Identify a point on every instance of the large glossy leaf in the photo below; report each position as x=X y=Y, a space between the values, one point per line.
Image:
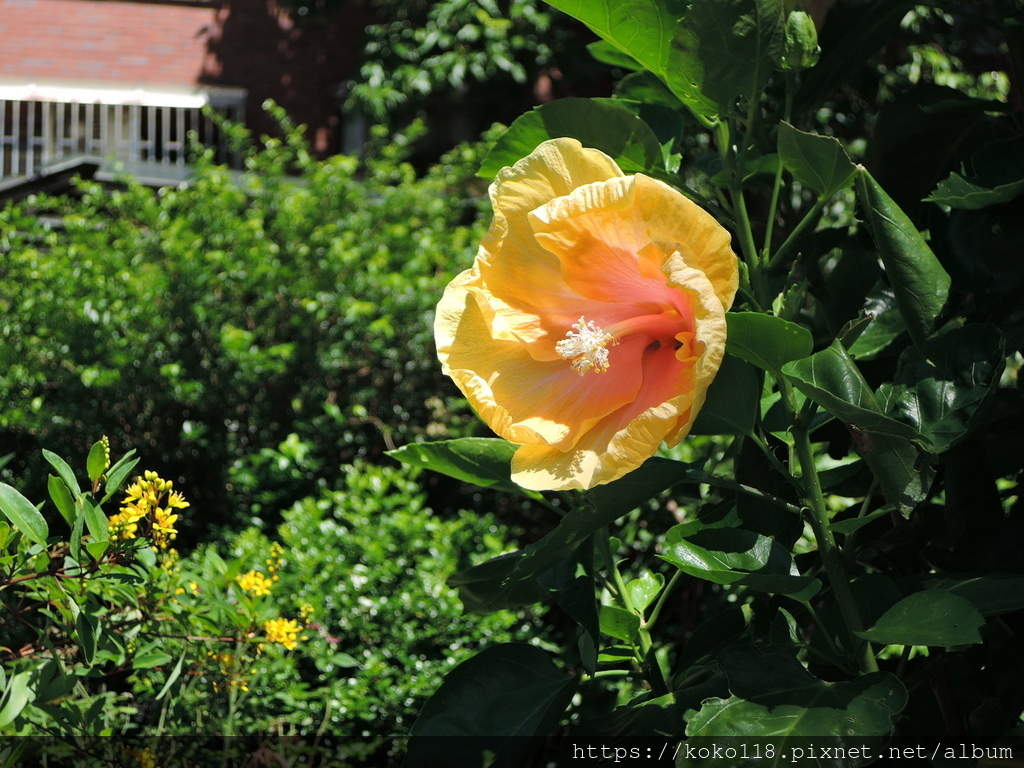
x=933 y=617
x=478 y=460
x=817 y=162
x=646 y=30
x=726 y=49
x=734 y=555
x=483 y=588
x=774 y=697
x=732 y=401
x=767 y=341
x=603 y=125
x=918 y=280
x=832 y=380
x=941 y=386
x=502 y=701
x=21 y=513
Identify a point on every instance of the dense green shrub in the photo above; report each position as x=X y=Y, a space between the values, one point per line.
x=323 y=640
x=208 y=323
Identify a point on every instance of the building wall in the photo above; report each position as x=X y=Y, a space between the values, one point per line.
x=179 y=45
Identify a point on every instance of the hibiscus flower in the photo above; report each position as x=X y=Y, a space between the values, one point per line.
x=593 y=319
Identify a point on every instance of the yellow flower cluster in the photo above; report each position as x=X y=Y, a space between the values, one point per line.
x=229 y=668
x=283 y=631
x=151 y=499
x=275 y=560
x=256 y=583
x=143 y=758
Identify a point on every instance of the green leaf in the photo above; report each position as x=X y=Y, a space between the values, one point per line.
x=734 y=555
x=19 y=692
x=173 y=677
x=724 y=50
x=62 y=498
x=711 y=636
x=831 y=379
x=850 y=525
x=602 y=125
x=995 y=176
x=932 y=617
x=732 y=401
x=23 y=514
x=88 y=631
x=942 y=385
x=486 y=587
x=478 y=460
x=619 y=623
x=503 y=701
x=603 y=505
x=885 y=324
x=767 y=341
x=919 y=282
x=817 y=162
x=645 y=31
x=95 y=520
x=775 y=697
x=64 y=470
x=904 y=473
x=609 y=54
x=117 y=474
x=150 y=660
x=97 y=549
x=990 y=595
x=97 y=462
x=645 y=589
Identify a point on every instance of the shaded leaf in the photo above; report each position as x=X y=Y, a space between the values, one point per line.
x=832 y=380
x=732 y=401
x=773 y=696
x=990 y=595
x=465 y=718
x=993 y=175
x=619 y=623
x=483 y=588
x=603 y=505
x=942 y=385
x=918 y=280
x=932 y=617
x=817 y=162
x=603 y=125
x=724 y=50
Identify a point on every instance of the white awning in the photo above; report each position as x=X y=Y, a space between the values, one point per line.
x=79 y=93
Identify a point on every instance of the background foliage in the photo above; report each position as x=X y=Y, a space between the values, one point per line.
x=263 y=338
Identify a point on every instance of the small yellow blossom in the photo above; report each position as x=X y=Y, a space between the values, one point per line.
x=230 y=669
x=255 y=582
x=275 y=560
x=283 y=631
x=124 y=525
x=306 y=612
x=143 y=758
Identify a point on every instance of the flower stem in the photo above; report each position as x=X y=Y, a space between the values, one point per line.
x=830 y=554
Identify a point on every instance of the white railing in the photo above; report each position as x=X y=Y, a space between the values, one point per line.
x=35 y=133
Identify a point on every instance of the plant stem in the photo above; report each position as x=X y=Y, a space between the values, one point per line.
x=809 y=218
x=830 y=554
x=773 y=206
